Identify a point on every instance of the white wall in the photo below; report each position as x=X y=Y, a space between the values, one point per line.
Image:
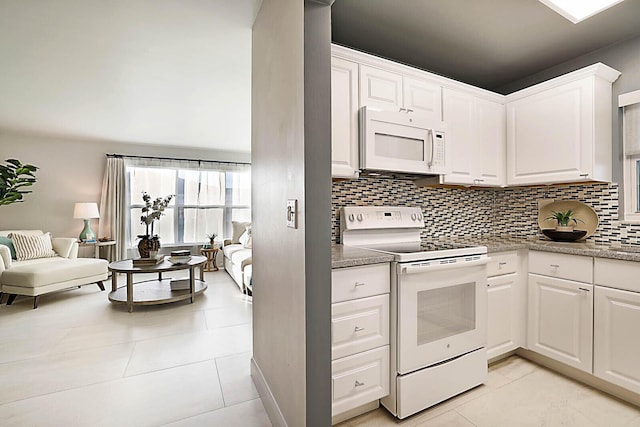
x=71 y=171
x=277 y=175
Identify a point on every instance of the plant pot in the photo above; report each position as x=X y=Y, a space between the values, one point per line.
x=148 y=246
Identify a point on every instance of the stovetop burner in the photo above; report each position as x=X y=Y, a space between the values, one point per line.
x=427 y=249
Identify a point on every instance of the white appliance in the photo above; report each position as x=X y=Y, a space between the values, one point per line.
x=438 y=307
x=401 y=141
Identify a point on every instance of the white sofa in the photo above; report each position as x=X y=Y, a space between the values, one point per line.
x=237 y=257
x=35 y=277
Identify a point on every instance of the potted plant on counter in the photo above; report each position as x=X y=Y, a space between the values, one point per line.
x=565 y=220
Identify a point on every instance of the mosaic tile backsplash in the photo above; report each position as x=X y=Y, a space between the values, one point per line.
x=457 y=212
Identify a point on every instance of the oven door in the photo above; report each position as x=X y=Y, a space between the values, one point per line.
x=442 y=311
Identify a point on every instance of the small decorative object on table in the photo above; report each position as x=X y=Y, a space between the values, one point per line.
x=212 y=238
x=146 y=262
x=179 y=257
x=150 y=243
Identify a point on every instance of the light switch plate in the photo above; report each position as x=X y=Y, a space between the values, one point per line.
x=292 y=213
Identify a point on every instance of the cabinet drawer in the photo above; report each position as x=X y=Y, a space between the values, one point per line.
x=359 y=282
x=359 y=325
x=502 y=263
x=562 y=266
x=617 y=274
x=359 y=379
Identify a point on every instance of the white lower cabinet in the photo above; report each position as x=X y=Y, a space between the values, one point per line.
x=616 y=320
x=506 y=298
x=560 y=324
x=359 y=336
x=359 y=379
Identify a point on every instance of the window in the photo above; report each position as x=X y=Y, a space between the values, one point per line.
x=207 y=197
x=630 y=104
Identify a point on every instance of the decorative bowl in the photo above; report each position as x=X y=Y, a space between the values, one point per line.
x=564 y=236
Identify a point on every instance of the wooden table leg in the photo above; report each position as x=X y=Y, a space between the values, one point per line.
x=114 y=281
x=130 y=291
x=215 y=260
x=201 y=273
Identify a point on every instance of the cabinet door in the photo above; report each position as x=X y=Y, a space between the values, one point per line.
x=616 y=338
x=490 y=118
x=561 y=320
x=550 y=135
x=423 y=97
x=503 y=310
x=379 y=88
x=344 y=118
x=458 y=114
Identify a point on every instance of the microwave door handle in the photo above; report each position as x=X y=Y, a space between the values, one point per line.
x=432 y=147
x=417 y=268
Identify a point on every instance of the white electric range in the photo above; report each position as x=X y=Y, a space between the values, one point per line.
x=438 y=306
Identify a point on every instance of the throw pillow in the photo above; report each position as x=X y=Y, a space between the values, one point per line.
x=238 y=230
x=246 y=239
x=32 y=246
x=8 y=243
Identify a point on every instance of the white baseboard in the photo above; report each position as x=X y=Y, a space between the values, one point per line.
x=269 y=402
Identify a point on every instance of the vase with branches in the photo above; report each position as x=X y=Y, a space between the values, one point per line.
x=152 y=210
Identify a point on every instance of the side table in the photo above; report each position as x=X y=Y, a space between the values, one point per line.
x=211 y=254
x=109 y=244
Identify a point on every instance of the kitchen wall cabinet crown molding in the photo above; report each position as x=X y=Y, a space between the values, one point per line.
x=412 y=72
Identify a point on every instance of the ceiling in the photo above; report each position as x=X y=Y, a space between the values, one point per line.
x=485 y=43
x=143 y=71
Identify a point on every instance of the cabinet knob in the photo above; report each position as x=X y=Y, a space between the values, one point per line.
x=501 y=263
x=555 y=266
x=358 y=384
x=358 y=329
x=357 y=284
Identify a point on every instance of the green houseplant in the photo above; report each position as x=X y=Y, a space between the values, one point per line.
x=152 y=210
x=565 y=220
x=14 y=178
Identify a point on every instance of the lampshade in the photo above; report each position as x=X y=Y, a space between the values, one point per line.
x=86 y=211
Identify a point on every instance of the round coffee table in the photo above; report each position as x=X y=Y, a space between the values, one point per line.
x=156 y=291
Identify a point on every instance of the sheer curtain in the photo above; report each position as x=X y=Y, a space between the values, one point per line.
x=208 y=195
x=113 y=205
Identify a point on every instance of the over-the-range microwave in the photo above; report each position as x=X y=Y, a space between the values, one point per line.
x=401 y=141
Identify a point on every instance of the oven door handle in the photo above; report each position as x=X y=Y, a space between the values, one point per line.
x=422 y=268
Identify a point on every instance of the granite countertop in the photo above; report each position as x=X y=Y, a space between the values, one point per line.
x=349 y=256
x=346 y=256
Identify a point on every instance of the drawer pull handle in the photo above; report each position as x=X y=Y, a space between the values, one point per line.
x=584 y=289
x=358 y=384
x=502 y=263
x=358 y=329
x=360 y=284
x=555 y=266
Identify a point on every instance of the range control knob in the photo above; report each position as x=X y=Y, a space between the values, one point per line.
x=419 y=217
x=351 y=218
x=360 y=217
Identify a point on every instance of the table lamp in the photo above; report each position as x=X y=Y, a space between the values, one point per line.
x=86 y=211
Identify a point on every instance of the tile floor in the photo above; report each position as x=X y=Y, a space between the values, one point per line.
x=80 y=361
x=518 y=393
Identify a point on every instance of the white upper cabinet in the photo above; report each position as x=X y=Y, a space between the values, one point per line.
x=380 y=88
x=560 y=130
x=423 y=97
x=344 y=118
x=386 y=90
x=475 y=136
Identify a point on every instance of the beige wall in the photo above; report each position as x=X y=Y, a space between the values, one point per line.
x=277 y=150
x=71 y=171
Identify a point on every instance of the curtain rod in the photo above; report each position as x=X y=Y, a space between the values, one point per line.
x=174 y=158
